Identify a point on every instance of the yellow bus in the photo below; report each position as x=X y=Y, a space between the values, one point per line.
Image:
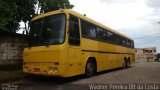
x=65 y=43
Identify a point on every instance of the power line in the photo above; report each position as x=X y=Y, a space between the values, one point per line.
x=154 y=42
x=147 y=36
x=147 y=39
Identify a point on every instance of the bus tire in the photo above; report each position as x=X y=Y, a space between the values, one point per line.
x=90 y=68
x=128 y=62
x=125 y=63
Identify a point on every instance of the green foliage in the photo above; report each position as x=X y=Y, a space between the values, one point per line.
x=14 y=11
x=7 y=16
x=50 y=5
x=25 y=10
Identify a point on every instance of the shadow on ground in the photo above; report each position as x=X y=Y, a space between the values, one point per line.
x=61 y=80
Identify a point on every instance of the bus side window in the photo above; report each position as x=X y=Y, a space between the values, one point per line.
x=110 y=37
x=74 y=35
x=117 y=39
x=88 y=29
x=123 y=42
x=100 y=33
x=132 y=44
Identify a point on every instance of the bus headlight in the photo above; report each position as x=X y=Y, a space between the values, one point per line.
x=25 y=67
x=53 y=69
x=50 y=69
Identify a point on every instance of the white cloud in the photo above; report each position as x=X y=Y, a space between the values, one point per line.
x=153 y=3
x=118 y=15
x=135 y=18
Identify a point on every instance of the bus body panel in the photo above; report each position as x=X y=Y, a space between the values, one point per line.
x=45 y=58
x=108 y=56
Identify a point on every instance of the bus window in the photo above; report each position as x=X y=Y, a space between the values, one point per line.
x=123 y=42
x=74 y=37
x=101 y=34
x=117 y=39
x=88 y=29
x=92 y=32
x=110 y=36
x=132 y=44
x=49 y=30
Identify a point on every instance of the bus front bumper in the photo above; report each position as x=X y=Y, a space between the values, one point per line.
x=46 y=70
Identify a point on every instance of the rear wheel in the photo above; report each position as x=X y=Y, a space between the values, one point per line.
x=126 y=63
x=90 y=69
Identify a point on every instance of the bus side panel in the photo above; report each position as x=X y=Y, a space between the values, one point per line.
x=89 y=48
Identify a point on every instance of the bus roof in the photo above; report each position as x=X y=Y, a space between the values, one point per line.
x=80 y=16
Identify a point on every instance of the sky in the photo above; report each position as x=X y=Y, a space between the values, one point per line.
x=138 y=19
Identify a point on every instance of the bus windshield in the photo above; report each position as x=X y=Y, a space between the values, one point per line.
x=49 y=30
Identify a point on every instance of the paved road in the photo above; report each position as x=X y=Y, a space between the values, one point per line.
x=139 y=73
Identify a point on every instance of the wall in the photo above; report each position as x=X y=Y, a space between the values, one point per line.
x=11 y=49
x=145 y=54
x=139 y=55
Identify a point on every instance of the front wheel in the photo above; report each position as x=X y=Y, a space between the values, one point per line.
x=90 y=69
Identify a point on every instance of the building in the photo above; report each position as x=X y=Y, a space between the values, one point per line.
x=145 y=54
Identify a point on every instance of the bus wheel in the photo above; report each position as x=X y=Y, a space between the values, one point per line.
x=125 y=64
x=128 y=63
x=90 y=69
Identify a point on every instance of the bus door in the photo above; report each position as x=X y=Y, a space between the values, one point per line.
x=74 y=49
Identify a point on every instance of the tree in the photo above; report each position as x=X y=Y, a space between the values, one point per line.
x=25 y=11
x=7 y=16
x=15 y=11
x=50 y=5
